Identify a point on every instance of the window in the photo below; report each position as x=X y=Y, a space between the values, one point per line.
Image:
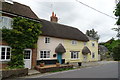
x=27 y=54
x=74 y=55
x=93 y=44
x=45 y=54
x=74 y=42
x=5 y=53
x=47 y=40
x=6 y=22
x=85 y=43
x=93 y=55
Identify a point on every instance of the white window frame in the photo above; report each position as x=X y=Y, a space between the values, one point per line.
x=44 y=53
x=9 y=22
x=5 y=53
x=30 y=53
x=74 y=42
x=92 y=55
x=47 y=40
x=74 y=53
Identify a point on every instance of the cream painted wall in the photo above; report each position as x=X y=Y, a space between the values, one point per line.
x=54 y=42
x=41 y=45
x=93 y=49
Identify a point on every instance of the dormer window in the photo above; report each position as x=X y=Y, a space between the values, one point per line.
x=6 y=22
x=74 y=42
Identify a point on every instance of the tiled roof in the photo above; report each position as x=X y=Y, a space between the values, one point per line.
x=18 y=9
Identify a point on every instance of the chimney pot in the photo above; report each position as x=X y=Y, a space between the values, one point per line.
x=53 y=18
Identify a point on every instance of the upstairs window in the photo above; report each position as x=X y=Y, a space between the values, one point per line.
x=74 y=42
x=6 y=22
x=5 y=53
x=47 y=40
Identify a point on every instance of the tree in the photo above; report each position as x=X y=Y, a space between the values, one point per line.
x=92 y=33
x=118 y=31
x=117 y=14
x=116 y=53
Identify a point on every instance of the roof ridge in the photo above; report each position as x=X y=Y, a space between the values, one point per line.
x=60 y=24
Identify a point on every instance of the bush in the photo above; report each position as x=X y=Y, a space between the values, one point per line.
x=116 y=53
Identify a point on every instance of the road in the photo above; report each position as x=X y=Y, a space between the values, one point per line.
x=109 y=70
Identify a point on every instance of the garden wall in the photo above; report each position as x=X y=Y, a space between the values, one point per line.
x=50 y=69
x=14 y=73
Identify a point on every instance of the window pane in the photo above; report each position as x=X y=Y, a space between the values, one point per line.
x=41 y=51
x=3 y=53
x=71 y=54
x=8 y=49
x=41 y=55
x=8 y=53
x=44 y=52
x=77 y=54
x=44 y=55
x=7 y=57
x=2 y=57
x=27 y=54
x=6 y=22
x=3 y=49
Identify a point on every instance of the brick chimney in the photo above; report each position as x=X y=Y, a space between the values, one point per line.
x=53 y=18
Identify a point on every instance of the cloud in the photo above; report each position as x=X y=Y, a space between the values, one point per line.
x=77 y=15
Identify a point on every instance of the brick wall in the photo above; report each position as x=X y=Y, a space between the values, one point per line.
x=3 y=43
x=34 y=57
x=3 y=65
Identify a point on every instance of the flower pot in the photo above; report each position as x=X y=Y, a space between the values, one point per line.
x=42 y=64
x=58 y=64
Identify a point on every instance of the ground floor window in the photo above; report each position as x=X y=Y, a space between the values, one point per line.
x=45 y=54
x=74 y=54
x=5 y=53
x=93 y=55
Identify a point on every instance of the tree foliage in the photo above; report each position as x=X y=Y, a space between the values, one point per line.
x=118 y=31
x=117 y=14
x=92 y=33
x=116 y=52
x=24 y=34
x=114 y=47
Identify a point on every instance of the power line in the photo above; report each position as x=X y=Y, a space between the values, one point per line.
x=95 y=9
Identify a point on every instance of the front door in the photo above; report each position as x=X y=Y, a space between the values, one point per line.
x=85 y=58
x=59 y=57
x=27 y=58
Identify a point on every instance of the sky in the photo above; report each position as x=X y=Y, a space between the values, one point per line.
x=75 y=14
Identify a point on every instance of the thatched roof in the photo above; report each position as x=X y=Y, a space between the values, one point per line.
x=60 y=49
x=18 y=9
x=102 y=49
x=62 y=31
x=85 y=50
